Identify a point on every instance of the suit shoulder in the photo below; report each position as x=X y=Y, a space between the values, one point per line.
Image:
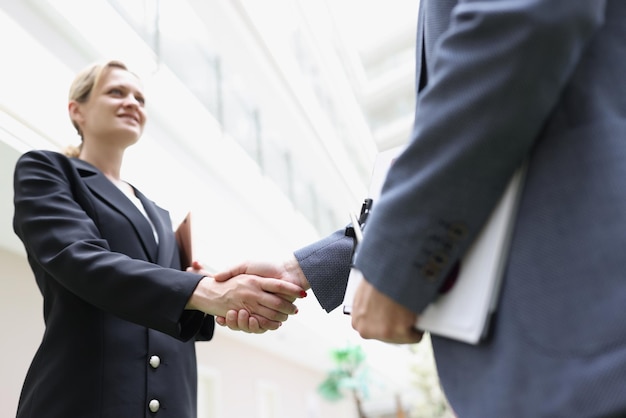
x=43 y=155
x=39 y=161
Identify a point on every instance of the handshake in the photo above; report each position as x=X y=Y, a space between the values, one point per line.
x=258 y=296
x=253 y=296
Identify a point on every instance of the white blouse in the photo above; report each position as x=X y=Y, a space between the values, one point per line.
x=126 y=189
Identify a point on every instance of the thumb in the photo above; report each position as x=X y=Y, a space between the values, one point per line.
x=230 y=273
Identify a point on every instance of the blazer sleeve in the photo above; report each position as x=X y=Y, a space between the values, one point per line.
x=326 y=265
x=63 y=244
x=494 y=77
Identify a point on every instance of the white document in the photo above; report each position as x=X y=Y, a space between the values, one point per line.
x=463 y=313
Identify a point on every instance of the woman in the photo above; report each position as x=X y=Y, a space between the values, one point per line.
x=121 y=317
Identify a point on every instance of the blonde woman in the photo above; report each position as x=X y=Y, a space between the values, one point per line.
x=121 y=317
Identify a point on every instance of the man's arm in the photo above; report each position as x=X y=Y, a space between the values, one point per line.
x=495 y=75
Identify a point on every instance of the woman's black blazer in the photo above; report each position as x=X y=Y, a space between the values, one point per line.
x=118 y=341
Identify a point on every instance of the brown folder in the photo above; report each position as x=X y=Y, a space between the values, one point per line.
x=183 y=238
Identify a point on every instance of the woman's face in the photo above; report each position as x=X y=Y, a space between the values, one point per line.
x=115 y=109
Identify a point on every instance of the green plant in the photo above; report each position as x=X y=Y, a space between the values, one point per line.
x=349 y=374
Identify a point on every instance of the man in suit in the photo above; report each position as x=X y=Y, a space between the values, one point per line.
x=501 y=82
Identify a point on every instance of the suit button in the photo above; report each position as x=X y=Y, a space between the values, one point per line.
x=430 y=271
x=439 y=258
x=154 y=405
x=457 y=231
x=155 y=361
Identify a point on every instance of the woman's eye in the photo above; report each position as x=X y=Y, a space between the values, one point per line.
x=115 y=92
x=140 y=100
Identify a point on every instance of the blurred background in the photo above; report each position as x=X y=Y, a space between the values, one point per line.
x=265 y=118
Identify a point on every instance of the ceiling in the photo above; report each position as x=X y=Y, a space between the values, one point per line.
x=373 y=42
x=382 y=38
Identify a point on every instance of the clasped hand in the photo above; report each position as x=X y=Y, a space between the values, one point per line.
x=263 y=302
x=374 y=315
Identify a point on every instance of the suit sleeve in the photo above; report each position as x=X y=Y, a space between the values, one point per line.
x=494 y=77
x=64 y=243
x=326 y=265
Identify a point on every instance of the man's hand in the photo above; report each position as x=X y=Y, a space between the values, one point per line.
x=197 y=267
x=376 y=316
x=288 y=271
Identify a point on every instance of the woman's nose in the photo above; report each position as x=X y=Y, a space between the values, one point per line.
x=131 y=101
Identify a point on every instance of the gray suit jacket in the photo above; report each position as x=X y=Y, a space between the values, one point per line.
x=501 y=81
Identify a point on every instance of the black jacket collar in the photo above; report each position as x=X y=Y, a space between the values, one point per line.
x=115 y=198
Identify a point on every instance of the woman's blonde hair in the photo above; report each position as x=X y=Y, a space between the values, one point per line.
x=81 y=88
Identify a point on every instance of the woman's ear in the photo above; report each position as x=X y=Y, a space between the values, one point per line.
x=75 y=112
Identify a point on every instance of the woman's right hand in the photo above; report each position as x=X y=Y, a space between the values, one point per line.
x=269 y=301
x=288 y=270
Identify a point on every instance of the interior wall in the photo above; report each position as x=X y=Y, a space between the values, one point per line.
x=257 y=383
x=21 y=322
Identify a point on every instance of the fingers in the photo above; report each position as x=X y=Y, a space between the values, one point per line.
x=377 y=316
x=274 y=310
x=242 y=321
x=230 y=273
x=401 y=334
x=269 y=298
x=275 y=302
x=257 y=268
x=197 y=267
x=245 y=322
x=265 y=324
x=283 y=288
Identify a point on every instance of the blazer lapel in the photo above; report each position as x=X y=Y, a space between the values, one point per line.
x=420 y=68
x=115 y=198
x=166 y=237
